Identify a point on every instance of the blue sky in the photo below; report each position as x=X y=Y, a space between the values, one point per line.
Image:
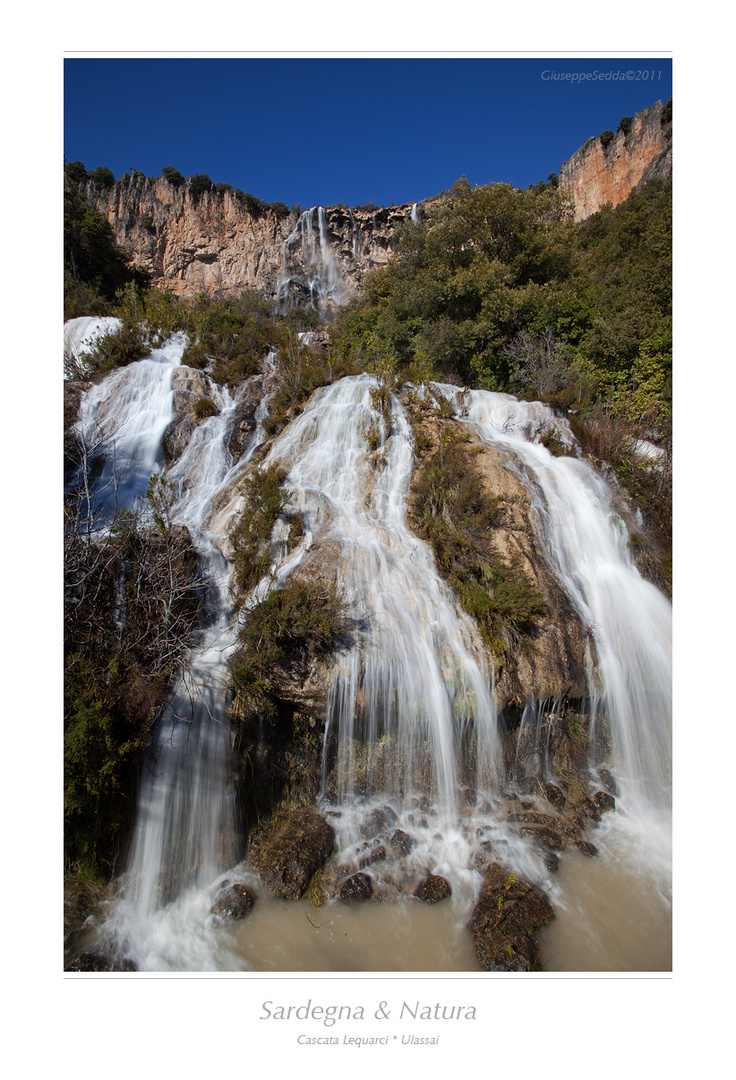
x=302 y=130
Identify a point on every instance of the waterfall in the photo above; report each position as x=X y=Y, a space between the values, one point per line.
x=586 y=543
x=184 y=834
x=323 y=280
x=630 y=688
x=415 y=675
x=412 y=730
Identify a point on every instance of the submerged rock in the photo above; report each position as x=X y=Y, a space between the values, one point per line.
x=287 y=860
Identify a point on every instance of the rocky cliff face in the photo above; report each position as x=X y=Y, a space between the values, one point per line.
x=596 y=174
x=214 y=244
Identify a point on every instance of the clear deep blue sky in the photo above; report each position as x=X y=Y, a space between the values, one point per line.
x=345 y=130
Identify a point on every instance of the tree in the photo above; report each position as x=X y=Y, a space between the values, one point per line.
x=200 y=185
x=131 y=603
x=103 y=177
x=173 y=176
x=538 y=361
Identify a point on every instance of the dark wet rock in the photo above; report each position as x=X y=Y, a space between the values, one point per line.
x=99 y=962
x=607 y=779
x=604 y=801
x=551 y=862
x=377 y=854
x=590 y=809
x=357 y=887
x=401 y=842
x=287 y=860
x=543 y=834
x=233 y=902
x=571 y=829
x=554 y=795
x=586 y=847
x=176 y=438
x=533 y=817
x=432 y=889
x=507 y=915
x=379 y=820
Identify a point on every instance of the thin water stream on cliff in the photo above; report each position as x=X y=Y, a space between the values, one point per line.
x=414 y=680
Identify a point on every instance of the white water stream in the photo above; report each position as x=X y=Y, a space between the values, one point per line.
x=310 y=237
x=412 y=684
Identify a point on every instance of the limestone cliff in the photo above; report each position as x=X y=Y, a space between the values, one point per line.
x=212 y=242
x=596 y=174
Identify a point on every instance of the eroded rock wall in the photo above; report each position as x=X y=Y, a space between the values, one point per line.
x=596 y=175
x=214 y=244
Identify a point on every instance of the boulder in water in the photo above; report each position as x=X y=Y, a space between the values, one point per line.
x=287 y=860
x=232 y=902
x=376 y=854
x=554 y=795
x=401 y=842
x=377 y=821
x=604 y=801
x=432 y=889
x=507 y=915
x=99 y=962
x=357 y=887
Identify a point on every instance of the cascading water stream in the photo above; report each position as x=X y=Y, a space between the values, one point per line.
x=415 y=675
x=310 y=237
x=628 y=618
x=412 y=733
x=185 y=828
x=630 y=687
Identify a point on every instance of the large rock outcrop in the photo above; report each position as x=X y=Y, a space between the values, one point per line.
x=213 y=243
x=599 y=174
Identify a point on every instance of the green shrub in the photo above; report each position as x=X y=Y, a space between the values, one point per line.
x=236 y=333
x=250 y=535
x=119 y=348
x=625 y=124
x=195 y=356
x=204 y=408
x=450 y=509
x=91 y=256
x=256 y=207
x=302 y=371
x=297 y=621
x=606 y=138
